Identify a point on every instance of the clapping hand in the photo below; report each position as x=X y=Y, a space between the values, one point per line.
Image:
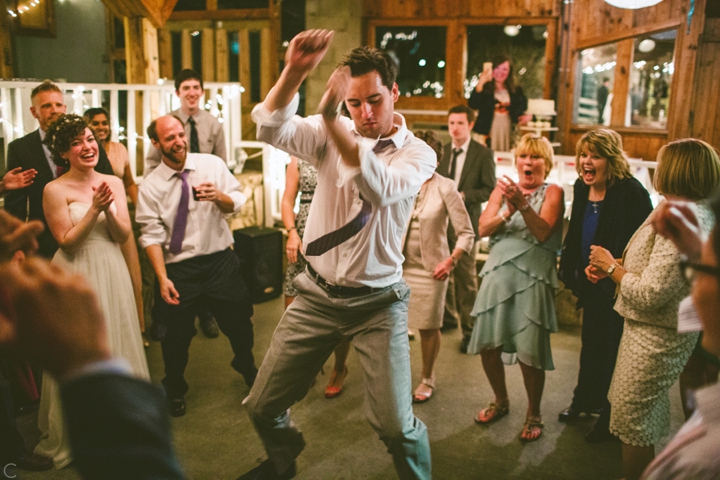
x=512 y=194
x=17 y=235
x=17 y=178
x=102 y=197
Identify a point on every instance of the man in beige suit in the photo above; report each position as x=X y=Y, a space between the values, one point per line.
x=472 y=167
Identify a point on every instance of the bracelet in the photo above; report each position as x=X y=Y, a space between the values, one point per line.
x=504 y=218
x=524 y=207
x=454 y=261
x=291 y=229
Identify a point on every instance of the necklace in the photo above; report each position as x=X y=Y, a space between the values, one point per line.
x=595 y=205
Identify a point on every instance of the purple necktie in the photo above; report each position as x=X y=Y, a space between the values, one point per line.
x=178 y=232
x=349 y=230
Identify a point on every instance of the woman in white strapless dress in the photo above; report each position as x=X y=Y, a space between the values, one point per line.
x=89 y=227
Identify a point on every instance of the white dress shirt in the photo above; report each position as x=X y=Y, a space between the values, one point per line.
x=460 y=161
x=207 y=230
x=389 y=180
x=211 y=137
x=693 y=451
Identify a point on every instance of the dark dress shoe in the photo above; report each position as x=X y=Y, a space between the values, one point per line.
x=600 y=434
x=177 y=407
x=33 y=462
x=464 y=344
x=266 y=471
x=571 y=414
x=209 y=327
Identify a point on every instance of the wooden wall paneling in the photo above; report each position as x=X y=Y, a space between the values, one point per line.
x=684 y=98
x=165 y=53
x=222 y=66
x=703 y=119
x=244 y=65
x=7 y=69
x=134 y=50
x=186 y=49
x=150 y=40
x=266 y=65
x=208 y=54
x=622 y=82
x=230 y=14
x=455 y=46
x=551 y=64
x=414 y=9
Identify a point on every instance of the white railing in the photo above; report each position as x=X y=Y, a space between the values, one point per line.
x=223 y=102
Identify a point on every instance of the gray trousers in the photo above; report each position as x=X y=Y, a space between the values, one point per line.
x=462 y=292
x=306 y=336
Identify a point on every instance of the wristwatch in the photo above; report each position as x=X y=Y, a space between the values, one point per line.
x=612 y=268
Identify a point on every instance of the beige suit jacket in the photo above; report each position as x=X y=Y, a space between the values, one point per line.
x=441 y=202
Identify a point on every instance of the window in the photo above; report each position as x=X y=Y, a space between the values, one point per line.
x=523 y=44
x=596 y=74
x=419 y=55
x=651 y=75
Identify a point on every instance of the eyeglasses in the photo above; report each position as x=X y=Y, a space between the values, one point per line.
x=690 y=269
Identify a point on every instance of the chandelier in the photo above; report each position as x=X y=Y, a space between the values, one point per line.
x=632 y=4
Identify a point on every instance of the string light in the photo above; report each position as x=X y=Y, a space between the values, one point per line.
x=23 y=9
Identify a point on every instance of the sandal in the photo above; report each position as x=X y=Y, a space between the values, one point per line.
x=335 y=385
x=532 y=424
x=422 y=397
x=492 y=412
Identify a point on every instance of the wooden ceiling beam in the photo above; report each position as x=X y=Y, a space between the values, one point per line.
x=157 y=11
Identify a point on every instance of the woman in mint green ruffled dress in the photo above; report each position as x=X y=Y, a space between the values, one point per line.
x=514 y=309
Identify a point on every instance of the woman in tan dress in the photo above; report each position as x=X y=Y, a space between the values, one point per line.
x=99 y=122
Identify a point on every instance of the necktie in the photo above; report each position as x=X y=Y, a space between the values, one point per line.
x=178 y=232
x=194 y=142
x=349 y=230
x=453 y=164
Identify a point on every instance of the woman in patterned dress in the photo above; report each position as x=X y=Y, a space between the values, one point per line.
x=301 y=178
x=650 y=283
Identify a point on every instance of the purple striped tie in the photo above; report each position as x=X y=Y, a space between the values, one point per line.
x=349 y=230
x=178 y=232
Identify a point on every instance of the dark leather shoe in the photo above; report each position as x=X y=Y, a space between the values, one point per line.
x=209 y=327
x=571 y=414
x=176 y=407
x=464 y=344
x=600 y=435
x=33 y=462
x=266 y=471
x=448 y=326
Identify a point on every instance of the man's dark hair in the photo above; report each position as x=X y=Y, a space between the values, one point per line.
x=185 y=75
x=463 y=109
x=364 y=60
x=46 y=86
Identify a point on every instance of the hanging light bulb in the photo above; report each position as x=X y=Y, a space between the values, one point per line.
x=512 y=30
x=632 y=4
x=647 y=45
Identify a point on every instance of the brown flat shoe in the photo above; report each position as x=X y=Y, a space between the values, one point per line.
x=492 y=412
x=533 y=426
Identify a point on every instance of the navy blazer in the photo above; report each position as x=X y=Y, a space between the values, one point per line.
x=27 y=152
x=477 y=179
x=119 y=428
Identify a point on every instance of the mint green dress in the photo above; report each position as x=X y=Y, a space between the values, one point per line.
x=515 y=306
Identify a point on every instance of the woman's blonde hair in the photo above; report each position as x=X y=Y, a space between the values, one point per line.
x=607 y=144
x=532 y=144
x=687 y=168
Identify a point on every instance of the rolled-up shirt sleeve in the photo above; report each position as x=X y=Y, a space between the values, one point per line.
x=304 y=138
x=152 y=228
x=229 y=185
x=385 y=183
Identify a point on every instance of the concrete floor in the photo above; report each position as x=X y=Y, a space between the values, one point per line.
x=215 y=439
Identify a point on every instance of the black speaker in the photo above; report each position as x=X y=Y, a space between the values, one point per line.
x=260 y=252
